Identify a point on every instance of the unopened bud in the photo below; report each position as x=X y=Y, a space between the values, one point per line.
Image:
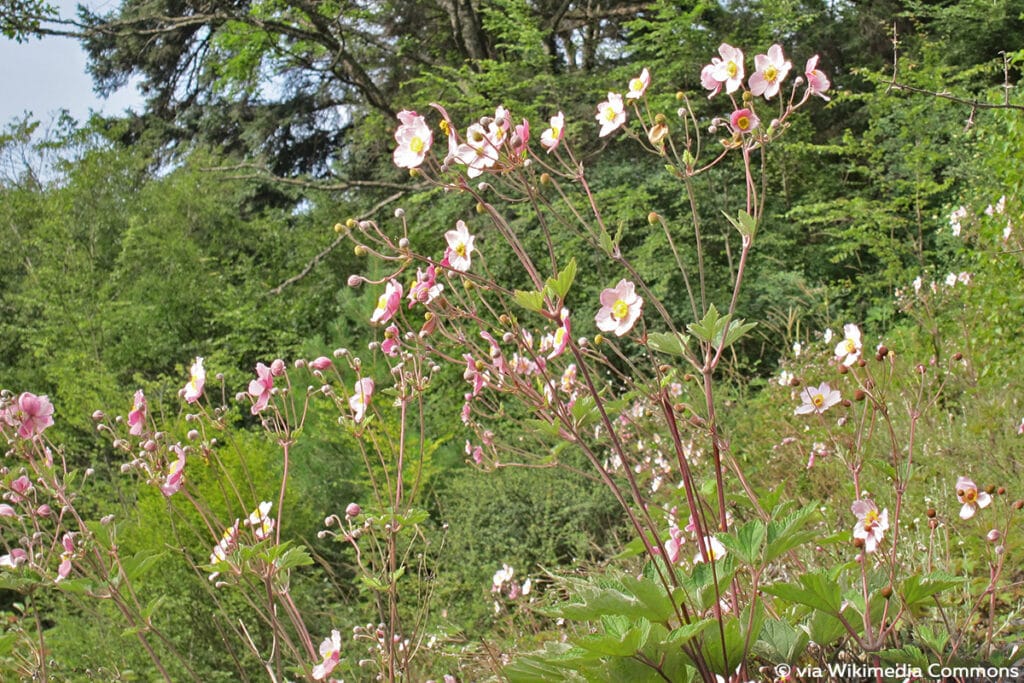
x=887 y=592
x=993 y=535
x=930 y=513
x=480 y=208
x=399 y=212
x=403 y=243
x=652 y=218
x=843 y=369
x=360 y=250
x=321 y=363
x=859 y=395
x=338 y=227
x=355 y=280
x=1018 y=504
x=847 y=403
x=98 y=415
x=193 y=435
x=277 y=367
x=919 y=369
x=958 y=356
x=353 y=510
x=990 y=489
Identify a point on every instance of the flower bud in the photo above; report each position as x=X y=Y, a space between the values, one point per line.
x=399 y=212
x=338 y=227
x=859 y=395
x=480 y=208
x=321 y=363
x=993 y=535
x=193 y=435
x=958 y=356
x=930 y=513
x=44 y=510
x=277 y=367
x=98 y=415
x=353 y=510
x=545 y=179
x=843 y=369
x=360 y=250
x=1018 y=504
x=652 y=218
x=887 y=592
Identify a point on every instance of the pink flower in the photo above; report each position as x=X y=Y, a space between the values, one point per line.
x=817 y=82
x=31 y=415
x=817 y=399
x=460 y=247
x=261 y=522
x=228 y=542
x=562 y=335
x=20 y=487
x=414 y=139
x=620 y=308
x=175 y=476
x=728 y=69
x=387 y=303
x=708 y=80
x=475 y=452
x=638 y=85
x=425 y=289
x=14 y=559
x=330 y=651
x=321 y=363
x=871 y=525
x=137 y=415
x=551 y=137
x=7 y=511
x=197 y=380
x=390 y=344
x=68 y=541
x=473 y=375
x=971 y=497
x=360 y=399
x=770 y=71
x=848 y=350
x=520 y=138
x=478 y=152
x=744 y=120
x=610 y=114
x=716 y=551
x=261 y=388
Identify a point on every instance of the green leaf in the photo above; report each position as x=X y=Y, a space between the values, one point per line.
x=293 y=557
x=744 y=223
x=678 y=637
x=560 y=285
x=824 y=628
x=746 y=543
x=908 y=654
x=531 y=301
x=737 y=328
x=710 y=327
x=816 y=590
x=667 y=342
x=788 y=533
x=141 y=562
x=917 y=589
x=780 y=642
x=618 y=642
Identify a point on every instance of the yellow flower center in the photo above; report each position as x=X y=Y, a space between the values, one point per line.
x=871 y=520
x=743 y=122
x=636 y=85
x=460 y=249
x=818 y=400
x=417 y=145
x=620 y=309
x=732 y=69
x=970 y=496
x=382 y=302
x=771 y=73
x=609 y=114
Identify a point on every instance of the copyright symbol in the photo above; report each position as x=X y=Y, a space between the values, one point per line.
x=782 y=671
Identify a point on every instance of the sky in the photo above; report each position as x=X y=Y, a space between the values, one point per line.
x=47 y=75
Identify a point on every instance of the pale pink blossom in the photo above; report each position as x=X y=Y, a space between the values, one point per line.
x=770 y=71
x=744 y=120
x=261 y=522
x=7 y=511
x=620 y=308
x=551 y=137
x=426 y=288
x=68 y=542
x=520 y=138
x=475 y=452
x=849 y=349
x=261 y=388
x=478 y=152
x=473 y=374
x=817 y=81
x=871 y=525
x=973 y=499
x=30 y=414
x=562 y=335
x=13 y=559
x=175 y=476
x=817 y=399
x=638 y=85
x=137 y=415
x=460 y=247
x=321 y=363
x=387 y=303
x=708 y=80
x=196 y=381
x=716 y=551
x=359 y=402
x=228 y=542
x=391 y=343
x=728 y=69
x=330 y=653
x=20 y=487
x=414 y=139
x=610 y=114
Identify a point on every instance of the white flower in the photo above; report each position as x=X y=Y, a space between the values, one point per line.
x=848 y=350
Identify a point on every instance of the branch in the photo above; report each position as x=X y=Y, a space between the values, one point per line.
x=337 y=240
x=262 y=173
